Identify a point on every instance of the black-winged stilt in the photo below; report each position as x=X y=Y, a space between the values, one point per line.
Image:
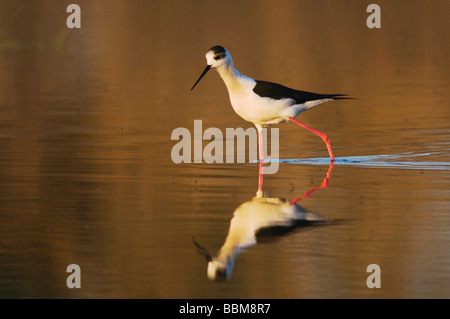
x=254 y=221
x=264 y=103
x=258 y=218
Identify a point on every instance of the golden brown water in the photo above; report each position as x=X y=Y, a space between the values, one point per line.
x=86 y=175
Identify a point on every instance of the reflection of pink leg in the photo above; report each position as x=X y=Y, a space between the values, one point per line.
x=323 y=136
x=260 y=178
x=312 y=190
x=261 y=159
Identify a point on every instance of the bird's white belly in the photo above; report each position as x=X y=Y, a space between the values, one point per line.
x=263 y=110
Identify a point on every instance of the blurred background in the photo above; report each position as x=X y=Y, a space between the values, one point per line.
x=86 y=175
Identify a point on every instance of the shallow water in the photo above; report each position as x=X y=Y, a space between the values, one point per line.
x=86 y=175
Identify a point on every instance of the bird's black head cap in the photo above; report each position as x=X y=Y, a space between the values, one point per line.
x=219 y=52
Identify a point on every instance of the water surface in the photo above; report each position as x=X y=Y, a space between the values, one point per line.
x=86 y=175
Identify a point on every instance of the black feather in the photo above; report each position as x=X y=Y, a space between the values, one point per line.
x=278 y=91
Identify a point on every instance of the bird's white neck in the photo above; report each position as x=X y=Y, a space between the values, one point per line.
x=235 y=81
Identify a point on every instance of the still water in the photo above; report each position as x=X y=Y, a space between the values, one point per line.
x=86 y=175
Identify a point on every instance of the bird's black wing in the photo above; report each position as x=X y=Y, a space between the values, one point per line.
x=278 y=91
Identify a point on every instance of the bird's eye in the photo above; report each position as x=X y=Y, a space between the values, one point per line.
x=217 y=57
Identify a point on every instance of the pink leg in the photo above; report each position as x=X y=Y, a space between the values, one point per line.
x=312 y=190
x=260 y=146
x=323 y=136
x=261 y=159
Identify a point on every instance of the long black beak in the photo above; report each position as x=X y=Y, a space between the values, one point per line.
x=201 y=250
x=208 y=67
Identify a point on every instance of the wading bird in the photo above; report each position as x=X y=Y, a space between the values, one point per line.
x=264 y=103
x=258 y=220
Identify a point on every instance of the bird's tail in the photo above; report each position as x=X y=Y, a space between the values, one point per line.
x=324 y=98
x=339 y=97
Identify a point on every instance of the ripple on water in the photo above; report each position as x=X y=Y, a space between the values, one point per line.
x=406 y=160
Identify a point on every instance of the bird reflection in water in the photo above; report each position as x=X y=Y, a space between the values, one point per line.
x=260 y=219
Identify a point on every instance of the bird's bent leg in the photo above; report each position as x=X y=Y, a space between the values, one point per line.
x=322 y=135
x=312 y=190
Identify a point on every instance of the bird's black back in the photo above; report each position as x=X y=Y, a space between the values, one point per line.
x=277 y=91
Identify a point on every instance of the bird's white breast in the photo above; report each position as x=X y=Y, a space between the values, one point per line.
x=252 y=107
x=262 y=110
